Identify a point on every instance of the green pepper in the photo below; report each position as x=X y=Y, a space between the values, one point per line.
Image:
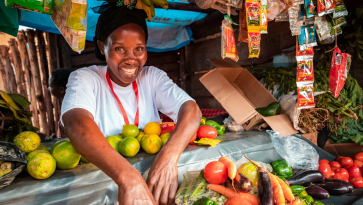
x=205 y=201
x=202 y=121
x=281 y=169
x=303 y=194
x=317 y=203
x=297 y=189
x=220 y=128
x=309 y=199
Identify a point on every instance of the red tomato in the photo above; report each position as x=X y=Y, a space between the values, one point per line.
x=193 y=139
x=339 y=159
x=206 y=131
x=343 y=172
x=215 y=172
x=323 y=161
x=332 y=174
x=346 y=161
x=334 y=165
x=348 y=166
x=357 y=182
x=354 y=171
x=325 y=169
x=340 y=177
x=359 y=156
x=358 y=163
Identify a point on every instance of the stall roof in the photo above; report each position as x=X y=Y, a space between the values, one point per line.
x=169 y=30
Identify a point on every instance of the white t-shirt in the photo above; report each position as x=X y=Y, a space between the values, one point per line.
x=87 y=88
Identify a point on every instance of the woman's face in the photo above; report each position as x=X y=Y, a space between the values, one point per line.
x=125 y=52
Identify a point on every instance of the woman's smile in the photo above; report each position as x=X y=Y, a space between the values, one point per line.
x=129 y=70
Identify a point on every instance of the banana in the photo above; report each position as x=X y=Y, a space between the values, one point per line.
x=146 y=2
x=152 y=9
x=8 y=100
x=148 y=12
x=138 y=4
x=162 y=3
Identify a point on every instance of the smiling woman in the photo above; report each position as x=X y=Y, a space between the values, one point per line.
x=99 y=100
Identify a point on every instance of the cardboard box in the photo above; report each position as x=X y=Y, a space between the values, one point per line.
x=240 y=93
x=343 y=149
x=312 y=137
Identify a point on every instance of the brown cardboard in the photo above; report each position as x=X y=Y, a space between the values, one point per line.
x=240 y=93
x=343 y=149
x=312 y=137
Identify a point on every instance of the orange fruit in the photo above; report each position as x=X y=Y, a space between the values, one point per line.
x=33 y=153
x=66 y=156
x=140 y=136
x=42 y=147
x=56 y=144
x=41 y=166
x=151 y=144
x=114 y=141
x=130 y=131
x=152 y=128
x=27 y=141
x=129 y=147
x=164 y=137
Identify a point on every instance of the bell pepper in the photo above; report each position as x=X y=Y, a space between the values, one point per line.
x=205 y=201
x=220 y=128
x=282 y=169
x=297 y=189
x=309 y=199
x=202 y=121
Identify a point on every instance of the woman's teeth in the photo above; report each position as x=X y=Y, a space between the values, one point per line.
x=129 y=71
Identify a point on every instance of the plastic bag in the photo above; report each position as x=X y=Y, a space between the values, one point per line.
x=322 y=28
x=11 y=153
x=294 y=19
x=274 y=8
x=232 y=125
x=298 y=153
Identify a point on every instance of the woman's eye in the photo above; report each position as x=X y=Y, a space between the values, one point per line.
x=119 y=49
x=139 y=48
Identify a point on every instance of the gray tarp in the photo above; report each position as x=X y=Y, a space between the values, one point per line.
x=86 y=184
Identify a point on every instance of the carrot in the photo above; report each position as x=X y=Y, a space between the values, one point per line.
x=231 y=166
x=297 y=201
x=230 y=193
x=237 y=201
x=278 y=194
x=286 y=189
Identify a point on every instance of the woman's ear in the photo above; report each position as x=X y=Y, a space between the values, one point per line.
x=101 y=46
x=62 y=90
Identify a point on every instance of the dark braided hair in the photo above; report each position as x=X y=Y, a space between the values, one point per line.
x=60 y=77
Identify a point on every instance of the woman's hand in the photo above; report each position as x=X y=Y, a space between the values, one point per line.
x=163 y=179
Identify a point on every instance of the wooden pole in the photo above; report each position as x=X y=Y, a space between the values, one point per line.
x=182 y=75
x=45 y=71
x=9 y=71
x=3 y=74
x=65 y=53
x=33 y=58
x=18 y=67
x=29 y=83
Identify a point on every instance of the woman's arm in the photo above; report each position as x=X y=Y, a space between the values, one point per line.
x=163 y=176
x=89 y=141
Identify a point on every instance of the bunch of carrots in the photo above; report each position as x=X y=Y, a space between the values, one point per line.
x=281 y=192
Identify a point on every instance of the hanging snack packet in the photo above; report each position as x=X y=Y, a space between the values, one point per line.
x=253 y=14
x=264 y=16
x=282 y=17
x=228 y=43
x=310 y=8
x=243 y=36
x=274 y=8
x=339 y=70
x=340 y=9
x=337 y=22
x=40 y=6
x=331 y=23
x=330 y=6
x=307 y=37
x=305 y=96
x=294 y=19
x=254 y=38
x=305 y=72
x=322 y=28
x=303 y=55
x=321 y=8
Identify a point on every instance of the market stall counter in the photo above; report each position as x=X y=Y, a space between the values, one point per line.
x=86 y=184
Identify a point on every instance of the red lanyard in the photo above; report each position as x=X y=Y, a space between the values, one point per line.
x=134 y=85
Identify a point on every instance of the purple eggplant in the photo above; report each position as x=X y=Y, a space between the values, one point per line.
x=317 y=192
x=349 y=185
x=244 y=184
x=334 y=188
x=306 y=178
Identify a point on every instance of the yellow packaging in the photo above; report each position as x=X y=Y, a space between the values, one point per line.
x=254 y=39
x=207 y=141
x=253 y=15
x=264 y=16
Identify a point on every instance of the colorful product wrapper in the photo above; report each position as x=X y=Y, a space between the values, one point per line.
x=243 y=36
x=330 y=6
x=40 y=6
x=331 y=23
x=307 y=37
x=228 y=43
x=323 y=30
x=294 y=19
x=253 y=14
x=337 y=22
x=207 y=141
x=303 y=55
x=305 y=96
x=339 y=70
x=310 y=8
x=254 y=39
x=340 y=9
x=305 y=72
x=321 y=7
x=264 y=17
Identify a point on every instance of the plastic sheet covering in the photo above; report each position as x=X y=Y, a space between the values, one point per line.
x=86 y=184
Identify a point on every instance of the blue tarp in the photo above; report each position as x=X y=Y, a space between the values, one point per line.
x=169 y=30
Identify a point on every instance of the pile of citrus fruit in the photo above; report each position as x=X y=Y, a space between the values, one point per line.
x=62 y=155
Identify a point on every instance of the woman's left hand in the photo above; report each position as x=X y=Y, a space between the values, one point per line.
x=163 y=179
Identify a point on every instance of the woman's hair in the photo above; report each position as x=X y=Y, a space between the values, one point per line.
x=60 y=77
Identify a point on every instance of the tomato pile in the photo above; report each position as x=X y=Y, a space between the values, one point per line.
x=344 y=168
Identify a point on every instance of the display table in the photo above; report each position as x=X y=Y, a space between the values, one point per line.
x=86 y=184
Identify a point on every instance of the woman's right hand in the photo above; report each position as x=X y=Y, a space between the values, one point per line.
x=133 y=190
